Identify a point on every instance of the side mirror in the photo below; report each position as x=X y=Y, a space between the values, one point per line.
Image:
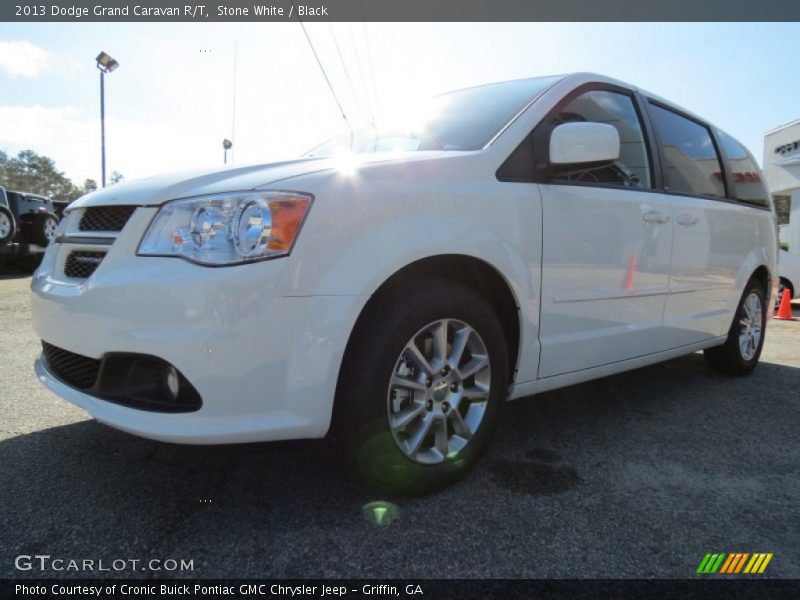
x=583 y=144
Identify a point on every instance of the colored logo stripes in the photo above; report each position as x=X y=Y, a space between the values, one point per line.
x=733 y=563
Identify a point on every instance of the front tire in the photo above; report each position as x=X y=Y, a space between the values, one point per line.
x=740 y=353
x=421 y=387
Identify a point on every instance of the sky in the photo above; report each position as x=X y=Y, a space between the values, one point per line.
x=170 y=103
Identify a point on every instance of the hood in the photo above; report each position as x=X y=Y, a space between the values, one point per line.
x=184 y=184
x=158 y=189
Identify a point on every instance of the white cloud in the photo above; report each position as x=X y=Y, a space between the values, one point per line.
x=60 y=133
x=23 y=58
x=72 y=139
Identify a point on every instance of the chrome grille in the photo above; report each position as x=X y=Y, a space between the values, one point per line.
x=74 y=369
x=81 y=264
x=105 y=218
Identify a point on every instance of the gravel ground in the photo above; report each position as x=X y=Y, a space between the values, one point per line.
x=635 y=475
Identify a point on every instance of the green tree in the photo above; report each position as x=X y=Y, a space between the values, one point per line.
x=3 y=166
x=31 y=172
x=116 y=177
x=90 y=185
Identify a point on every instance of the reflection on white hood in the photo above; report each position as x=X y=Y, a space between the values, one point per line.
x=156 y=190
x=184 y=184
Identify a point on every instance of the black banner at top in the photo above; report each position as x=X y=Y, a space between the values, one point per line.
x=399 y=10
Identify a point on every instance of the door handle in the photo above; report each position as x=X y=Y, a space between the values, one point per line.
x=655 y=218
x=686 y=220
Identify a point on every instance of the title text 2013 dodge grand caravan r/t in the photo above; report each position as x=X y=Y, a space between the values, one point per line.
x=396 y=286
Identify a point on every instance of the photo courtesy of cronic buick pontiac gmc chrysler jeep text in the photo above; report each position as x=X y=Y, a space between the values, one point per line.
x=395 y=286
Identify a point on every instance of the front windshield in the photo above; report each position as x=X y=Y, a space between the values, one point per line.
x=462 y=120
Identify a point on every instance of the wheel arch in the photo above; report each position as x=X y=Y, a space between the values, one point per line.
x=760 y=265
x=481 y=276
x=762 y=275
x=474 y=272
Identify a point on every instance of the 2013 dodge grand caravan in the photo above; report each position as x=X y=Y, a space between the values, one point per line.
x=394 y=287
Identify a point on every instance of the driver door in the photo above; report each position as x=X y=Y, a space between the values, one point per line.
x=607 y=243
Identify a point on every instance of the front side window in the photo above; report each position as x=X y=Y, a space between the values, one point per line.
x=747 y=181
x=601 y=106
x=691 y=163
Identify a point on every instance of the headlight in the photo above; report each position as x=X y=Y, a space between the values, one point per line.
x=228 y=229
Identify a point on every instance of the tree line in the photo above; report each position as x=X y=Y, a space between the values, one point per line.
x=37 y=174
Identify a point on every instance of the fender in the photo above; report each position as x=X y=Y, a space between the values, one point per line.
x=762 y=254
x=349 y=255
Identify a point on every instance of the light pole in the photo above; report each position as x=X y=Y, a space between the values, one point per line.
x=105 y=64
x=226 y=145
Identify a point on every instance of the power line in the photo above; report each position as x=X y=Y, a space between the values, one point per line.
x=361 y=72
x=233 y=112
x=328 y=81
x=371 y=70
x=346 y=71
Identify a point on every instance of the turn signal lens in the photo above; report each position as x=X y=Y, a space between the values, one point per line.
x=287 y=215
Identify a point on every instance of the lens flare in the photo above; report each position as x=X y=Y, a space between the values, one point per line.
x=380 y=513
x=346 y=163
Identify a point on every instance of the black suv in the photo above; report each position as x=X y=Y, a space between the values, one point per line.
x=27 y=224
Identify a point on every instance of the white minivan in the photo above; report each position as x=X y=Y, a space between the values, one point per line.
x=393 y=288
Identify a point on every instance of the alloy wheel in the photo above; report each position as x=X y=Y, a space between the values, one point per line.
x=750 y=324
x=439 y=391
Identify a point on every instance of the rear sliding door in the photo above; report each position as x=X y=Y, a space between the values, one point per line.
x=712 y=234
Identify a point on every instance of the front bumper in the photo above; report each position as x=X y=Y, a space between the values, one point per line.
x=184 y=428
x=264 y=365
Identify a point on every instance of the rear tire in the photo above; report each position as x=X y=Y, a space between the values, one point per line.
x=740 y=353
x=410 y=423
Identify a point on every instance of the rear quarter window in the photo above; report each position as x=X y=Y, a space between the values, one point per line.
x=748 y=183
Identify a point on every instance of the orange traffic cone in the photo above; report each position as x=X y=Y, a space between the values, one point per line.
x=785 y=309
x=630 y=274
